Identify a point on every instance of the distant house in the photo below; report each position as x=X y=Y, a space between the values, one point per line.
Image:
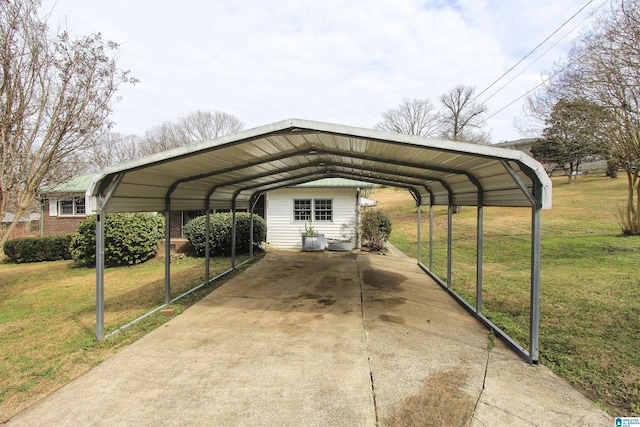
x=523 y=145
x=28 y=224
x=331 y=205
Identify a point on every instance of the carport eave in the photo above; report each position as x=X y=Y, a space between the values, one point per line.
x=358 y=136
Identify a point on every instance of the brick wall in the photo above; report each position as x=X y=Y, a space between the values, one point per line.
x=58 y=225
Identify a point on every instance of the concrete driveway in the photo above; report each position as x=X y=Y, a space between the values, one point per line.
x=319 y=339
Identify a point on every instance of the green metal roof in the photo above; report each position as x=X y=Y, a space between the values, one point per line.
x=79 y=184
x=336 y=182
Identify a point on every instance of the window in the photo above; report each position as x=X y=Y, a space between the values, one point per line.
x=80 y=208
x=308 y=209
x=302 y=210
x=323 y=210
x=73 y=207
x=66 y=207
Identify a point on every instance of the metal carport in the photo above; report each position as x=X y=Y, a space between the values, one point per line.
x=231 y=172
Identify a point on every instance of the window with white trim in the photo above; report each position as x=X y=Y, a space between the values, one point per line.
x=323 y=210
x=316 y=209
x=72 y=207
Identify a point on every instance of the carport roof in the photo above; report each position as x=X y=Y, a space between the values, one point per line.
x=241 y=166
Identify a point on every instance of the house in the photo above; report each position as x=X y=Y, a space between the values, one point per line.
x=64 y=206
x=330 y=205
x=523 y=145
x=27 y=224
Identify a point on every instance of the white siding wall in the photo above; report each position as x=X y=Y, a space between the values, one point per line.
x=285 y=233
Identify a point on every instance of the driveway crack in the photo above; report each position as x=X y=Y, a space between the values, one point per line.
x=366 y=344
x=490 y=345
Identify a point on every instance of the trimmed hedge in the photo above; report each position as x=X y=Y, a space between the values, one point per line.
x=376 y=228
x=130 y=238
x=220 y=235
x=37 y=249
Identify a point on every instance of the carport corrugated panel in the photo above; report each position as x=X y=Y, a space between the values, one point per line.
x=281 y=147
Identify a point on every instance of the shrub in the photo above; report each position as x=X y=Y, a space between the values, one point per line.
x=220 y=233
x=129 y=238
x=36 y=249
x=376 y=228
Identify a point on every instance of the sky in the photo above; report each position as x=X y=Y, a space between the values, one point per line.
x=343 y=62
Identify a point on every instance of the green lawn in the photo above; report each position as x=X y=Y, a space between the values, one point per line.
x=47 y=319
x=590 y=302
x=590 y=290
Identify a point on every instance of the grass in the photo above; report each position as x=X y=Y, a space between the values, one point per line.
x=590 y=286
x=47 y=319
x=590 y=296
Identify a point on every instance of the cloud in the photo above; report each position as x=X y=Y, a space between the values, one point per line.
x=343 y=62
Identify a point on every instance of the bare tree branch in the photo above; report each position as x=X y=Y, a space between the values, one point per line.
x=197 y=126
x=411 y=117
x=461 y=119
x=55 y=95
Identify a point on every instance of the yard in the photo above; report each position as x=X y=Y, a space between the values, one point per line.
x=47 y=319
x=590 y=290
x=590 y=296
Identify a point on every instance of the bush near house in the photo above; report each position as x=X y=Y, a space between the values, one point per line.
x=130 y=238
x=220 y=232
x=375 y=228
x=37 y=249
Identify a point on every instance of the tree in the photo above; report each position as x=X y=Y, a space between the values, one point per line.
x=461 y=119
x=604 y=68
x=573 y=134
x=112 y=148
x=56 y=93
x=162 y=137
x=411 y=117
x=195 y=127
x=201 y=125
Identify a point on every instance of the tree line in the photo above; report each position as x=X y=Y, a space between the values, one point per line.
x=460 y=117
x=111 y=148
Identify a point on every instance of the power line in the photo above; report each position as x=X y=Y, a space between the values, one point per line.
x=527 y=92
x=544 y=53
x=533 y=50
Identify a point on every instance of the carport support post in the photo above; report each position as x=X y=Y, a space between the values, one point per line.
x=233 y=233
x=167 y=251
x=534 y=321
x=449 y=245
x=207 y=231
x=431 y=237
x=99 y=274
x=419 y=223
x=251 y=213
x=479 y=250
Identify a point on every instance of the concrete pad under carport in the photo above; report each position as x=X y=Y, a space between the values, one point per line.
x=288 y=342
